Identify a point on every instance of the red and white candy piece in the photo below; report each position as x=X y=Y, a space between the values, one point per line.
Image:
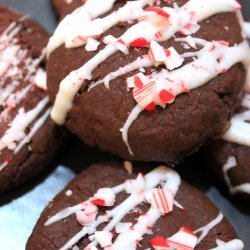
x=104 y=238
x=158 y=11
x=145 y=95
x=157 y=17
x=143 y=92
x=190 y=29
x=162 y=199
x=137 y=81
x=174 y=60
x=165 y=97
x=88 y=215
x=159 y=243
x=185 y=239
x=157 y=53
x=136 y=186
x=104 y=197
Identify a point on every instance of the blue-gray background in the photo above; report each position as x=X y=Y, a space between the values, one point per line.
x=42 y=11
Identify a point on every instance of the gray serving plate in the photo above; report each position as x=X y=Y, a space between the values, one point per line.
x=79 y=156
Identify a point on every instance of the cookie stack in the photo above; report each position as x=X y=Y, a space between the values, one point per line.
x=148 y=81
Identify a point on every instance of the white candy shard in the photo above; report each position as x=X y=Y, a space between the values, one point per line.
x=104 y=238
x=107 y=195
x=174 y=60
x=92 y=44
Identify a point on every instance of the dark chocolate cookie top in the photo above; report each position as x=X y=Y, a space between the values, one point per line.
x=155 y=79
x=131 y=211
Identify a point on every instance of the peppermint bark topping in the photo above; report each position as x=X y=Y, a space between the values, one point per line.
x=157 y=188
x=161 y=24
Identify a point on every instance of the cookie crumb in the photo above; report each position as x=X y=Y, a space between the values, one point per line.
x=128 y=167
x=69 y=193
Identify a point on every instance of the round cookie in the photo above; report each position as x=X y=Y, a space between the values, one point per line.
x=29 y=140
x=139 y=115
x=229 y=157
x=148 y=217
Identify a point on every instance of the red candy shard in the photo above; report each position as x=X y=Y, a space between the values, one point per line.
x=139 y=42
x=158 y=242
x=98 y=202
x=166 y=96
x=138 y=82
x=157 y=10
x=167 y=52
x=187 y=230
x=224 y=43
x=151 y=107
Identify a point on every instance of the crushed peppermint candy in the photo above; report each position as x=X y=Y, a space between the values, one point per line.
x=104 y=197
x=185 y=239
x=161 y=199
x=88 y=214
x=92 y=44
x=104 y=238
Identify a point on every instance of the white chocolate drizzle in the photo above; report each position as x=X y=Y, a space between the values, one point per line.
x=141 y=190
x=231 y=245
x=73 y=35
x=242 y=188
x=138 y=190
x=205 y=229
x=17 y=67
x=161 y=24
x=239 y=130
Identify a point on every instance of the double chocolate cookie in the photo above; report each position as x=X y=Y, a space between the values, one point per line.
x=120 y=209
x=229 y=157
x=29 y=140
x=154 y=82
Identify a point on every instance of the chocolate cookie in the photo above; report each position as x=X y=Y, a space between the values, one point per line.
x=184 y=78
x=229 y=157
x=155 y=211
x=29 y=139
